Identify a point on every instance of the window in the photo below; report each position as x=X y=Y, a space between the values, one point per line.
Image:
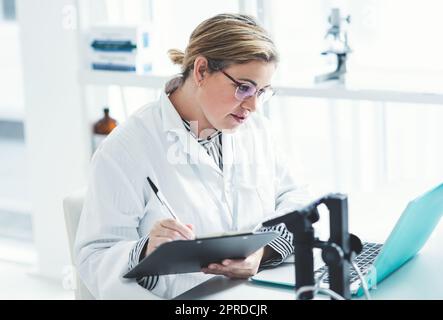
x=398 y=39
x=361 y=146
x=337 y=145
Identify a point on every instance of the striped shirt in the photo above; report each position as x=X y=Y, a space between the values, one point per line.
x=212 y=144
x=282 y=245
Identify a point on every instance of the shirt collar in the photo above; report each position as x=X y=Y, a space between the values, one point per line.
x=208 y=139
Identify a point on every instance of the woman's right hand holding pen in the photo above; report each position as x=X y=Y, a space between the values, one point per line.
x=168 y=230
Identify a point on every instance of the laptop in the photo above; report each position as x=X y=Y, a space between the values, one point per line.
x=377 y=261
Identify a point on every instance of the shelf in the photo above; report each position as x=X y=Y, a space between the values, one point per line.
x=358 y=94
x=122 y=79
x=13 y=114
x=331 y=92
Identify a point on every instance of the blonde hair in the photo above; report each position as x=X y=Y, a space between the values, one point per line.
x=226 y=39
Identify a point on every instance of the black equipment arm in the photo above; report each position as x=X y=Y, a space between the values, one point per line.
x=336 y=253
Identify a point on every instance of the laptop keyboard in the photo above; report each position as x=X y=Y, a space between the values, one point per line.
x=364 y=261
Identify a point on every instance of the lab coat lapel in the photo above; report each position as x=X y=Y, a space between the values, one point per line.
x=228 y=156
x=183 y=141
x=185 y=149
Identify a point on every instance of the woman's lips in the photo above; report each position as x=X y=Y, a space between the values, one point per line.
x=238 y=118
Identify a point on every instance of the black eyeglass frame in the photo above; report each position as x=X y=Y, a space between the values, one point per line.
x=257 y=92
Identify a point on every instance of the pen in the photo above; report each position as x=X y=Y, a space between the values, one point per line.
x=256 y=228
x=159 y=196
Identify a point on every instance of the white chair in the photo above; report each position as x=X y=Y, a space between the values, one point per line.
x=72 y=206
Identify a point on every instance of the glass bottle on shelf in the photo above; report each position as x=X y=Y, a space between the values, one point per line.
x=102 y=128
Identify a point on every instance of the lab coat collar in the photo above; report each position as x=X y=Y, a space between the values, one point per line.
x=173 y=126
x=172 y=121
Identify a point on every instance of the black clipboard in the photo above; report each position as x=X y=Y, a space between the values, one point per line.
x=184 y=256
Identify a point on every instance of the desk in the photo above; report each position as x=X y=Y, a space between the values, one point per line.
x=420 y=278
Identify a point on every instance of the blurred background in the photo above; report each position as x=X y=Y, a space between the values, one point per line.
x=364 y=118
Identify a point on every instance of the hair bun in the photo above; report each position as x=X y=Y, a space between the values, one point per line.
x=176 y=56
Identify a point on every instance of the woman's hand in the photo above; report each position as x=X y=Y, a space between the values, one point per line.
x=168 y=230
x=237 y=269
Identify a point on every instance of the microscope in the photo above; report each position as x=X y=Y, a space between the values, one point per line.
x=337 y=252
x=338 y=46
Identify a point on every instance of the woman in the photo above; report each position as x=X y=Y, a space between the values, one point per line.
x=207 y=151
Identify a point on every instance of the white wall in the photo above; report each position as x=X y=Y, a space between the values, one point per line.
x=56 y=134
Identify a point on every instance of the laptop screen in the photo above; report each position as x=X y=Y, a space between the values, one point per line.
x=411 y=232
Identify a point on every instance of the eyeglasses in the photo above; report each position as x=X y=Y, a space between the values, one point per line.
x=245 y=91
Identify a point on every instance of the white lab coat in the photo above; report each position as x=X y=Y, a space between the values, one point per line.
x=120 y=207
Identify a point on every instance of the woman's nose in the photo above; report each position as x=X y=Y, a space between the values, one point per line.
x=250 y=103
